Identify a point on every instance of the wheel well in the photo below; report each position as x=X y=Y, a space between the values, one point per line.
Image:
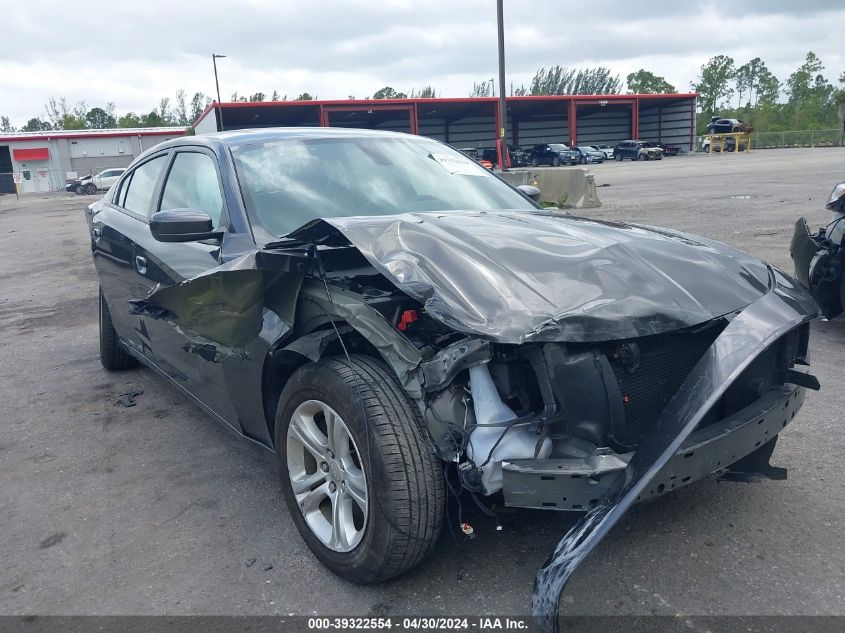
x=282 y=363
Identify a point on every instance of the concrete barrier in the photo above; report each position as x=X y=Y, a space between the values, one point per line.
x=566 y=187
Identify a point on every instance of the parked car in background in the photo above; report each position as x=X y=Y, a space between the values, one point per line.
x=552 y=154
x=636 y=150
x=75 y=185
x=92 y=183
x=106 y=178
x=588 y=154
x=668 y=150
x=478 y=156
x=607 y=149
x=519 y=157
x=718 y=125
x=729 y=144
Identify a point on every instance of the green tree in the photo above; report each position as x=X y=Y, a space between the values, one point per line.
x=130 y=119
x=645 y=82
x=64 y=117
x=569 y=81
x=256 y=97
x=483 y=89
x=199 y=102
x=810 y=95
x=180 y=110
x=713 y=85
x=5 y=124
x=36 y=125
x=389 y=93
x=99 y=119
x=426 y=92
x=304 y=97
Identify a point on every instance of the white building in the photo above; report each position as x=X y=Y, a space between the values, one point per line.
x=46 y=159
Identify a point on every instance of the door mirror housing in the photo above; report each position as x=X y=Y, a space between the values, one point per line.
x=183 y=225
x=530 y=191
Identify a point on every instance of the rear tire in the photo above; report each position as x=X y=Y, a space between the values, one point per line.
x=556 y=161
x=403 y=483
x=113 y=355
x=534 y=161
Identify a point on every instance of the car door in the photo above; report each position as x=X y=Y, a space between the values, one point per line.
x=192 y=181
x=117 y=226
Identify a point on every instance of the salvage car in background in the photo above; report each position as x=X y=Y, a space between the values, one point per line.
x=553 y=154
x=92 y=183
x=74 y=185
x=820 y=257
x=383 y=313
x=668 y=150
x=636 y=150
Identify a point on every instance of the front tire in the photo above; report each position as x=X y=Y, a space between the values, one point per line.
x=113 y=356
x=369 y=501
x=618 y=157
x=91 y=189
x=556 y=161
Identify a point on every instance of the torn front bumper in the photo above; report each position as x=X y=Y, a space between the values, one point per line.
x=748 y=335
x=580 y=484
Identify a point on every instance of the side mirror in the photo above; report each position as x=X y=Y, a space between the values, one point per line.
x=183 y=225
x=530 y=191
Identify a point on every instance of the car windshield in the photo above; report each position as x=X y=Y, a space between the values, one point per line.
x=559 y=147
x=288 y=183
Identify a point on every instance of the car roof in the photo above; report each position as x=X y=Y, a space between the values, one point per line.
x=263 y=135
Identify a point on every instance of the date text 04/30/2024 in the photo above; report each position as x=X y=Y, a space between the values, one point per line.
x=483 y=623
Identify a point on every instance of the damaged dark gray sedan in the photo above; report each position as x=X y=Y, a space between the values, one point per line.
x=384 y=314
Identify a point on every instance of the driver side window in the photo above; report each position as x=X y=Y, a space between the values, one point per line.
x=193 y=184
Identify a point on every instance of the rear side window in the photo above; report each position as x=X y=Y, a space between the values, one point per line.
x=139 y=189
x=193 y=184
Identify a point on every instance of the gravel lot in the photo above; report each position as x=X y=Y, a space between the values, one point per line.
x=156 y=509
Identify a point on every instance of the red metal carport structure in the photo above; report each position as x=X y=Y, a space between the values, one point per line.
x=473 y=122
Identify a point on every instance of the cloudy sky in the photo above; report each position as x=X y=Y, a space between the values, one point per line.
x=134 y=53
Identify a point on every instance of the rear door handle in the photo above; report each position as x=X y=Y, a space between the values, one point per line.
x=141 y=264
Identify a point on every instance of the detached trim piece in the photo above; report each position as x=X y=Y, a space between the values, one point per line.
x=747 y=336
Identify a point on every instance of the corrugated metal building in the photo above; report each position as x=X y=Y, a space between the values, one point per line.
x=473 y=122
x=46 y=159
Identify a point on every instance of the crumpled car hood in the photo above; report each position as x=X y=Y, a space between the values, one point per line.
x=517 y=276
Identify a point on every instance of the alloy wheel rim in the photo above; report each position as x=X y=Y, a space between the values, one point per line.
x=326 y=475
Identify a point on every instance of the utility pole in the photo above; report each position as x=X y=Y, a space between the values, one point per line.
x=214 y=58
x=502 y=141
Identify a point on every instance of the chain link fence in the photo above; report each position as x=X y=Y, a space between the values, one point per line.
x=792 y=138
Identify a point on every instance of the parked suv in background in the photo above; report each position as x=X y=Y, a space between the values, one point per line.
x=636 y=150
x=552 y=154
x=91 y=184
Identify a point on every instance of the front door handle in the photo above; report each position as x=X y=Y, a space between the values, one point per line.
x=141 y=264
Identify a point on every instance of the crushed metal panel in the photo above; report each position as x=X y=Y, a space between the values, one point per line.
x=518 y=276
x=749 y=334
x=224 y=306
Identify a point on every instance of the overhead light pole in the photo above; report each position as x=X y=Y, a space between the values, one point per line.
x=502 y=141
x=214 y=58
